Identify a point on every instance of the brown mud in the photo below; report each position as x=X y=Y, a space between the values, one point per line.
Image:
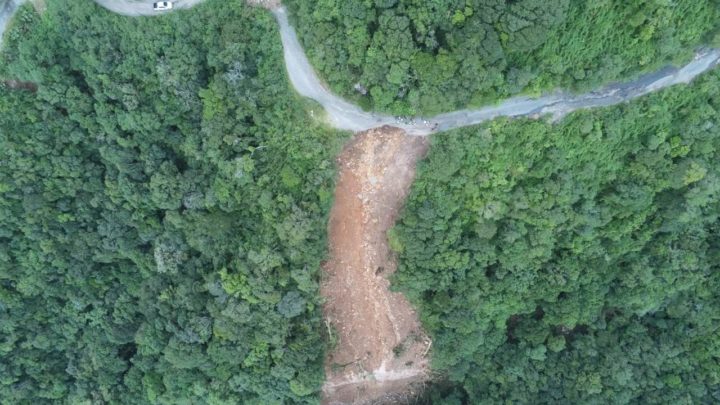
x=380 y=352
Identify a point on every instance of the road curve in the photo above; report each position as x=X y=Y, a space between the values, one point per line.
x=343 y=115
x=142 y=7
x=7 y=9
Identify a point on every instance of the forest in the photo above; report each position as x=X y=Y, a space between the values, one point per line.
x=423 y=57
x=573 y=262
x=163 y=203
x=164 y=198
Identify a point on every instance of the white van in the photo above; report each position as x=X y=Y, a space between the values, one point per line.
x=162 y=5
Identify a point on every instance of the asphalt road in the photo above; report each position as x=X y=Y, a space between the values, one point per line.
x=7 y=9
x=343 y=115
x=142 y=7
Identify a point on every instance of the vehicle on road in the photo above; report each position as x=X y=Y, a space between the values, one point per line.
x=162 y=5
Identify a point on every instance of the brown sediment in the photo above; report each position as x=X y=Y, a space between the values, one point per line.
x=381 y=350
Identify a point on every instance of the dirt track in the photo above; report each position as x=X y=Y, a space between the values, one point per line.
x=381 y=349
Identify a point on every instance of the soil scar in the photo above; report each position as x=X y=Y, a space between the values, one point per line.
x=380 y=347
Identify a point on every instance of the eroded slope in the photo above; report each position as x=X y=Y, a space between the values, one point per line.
x=380 y=348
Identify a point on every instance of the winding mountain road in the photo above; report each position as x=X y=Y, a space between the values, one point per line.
x=387 y=173
x=7 y=9
x=343 y=115
x=142 y=7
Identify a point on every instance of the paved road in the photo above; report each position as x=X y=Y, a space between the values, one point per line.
x=344 y=115
x=560 y=104
x=142 y=7
x=7 y=9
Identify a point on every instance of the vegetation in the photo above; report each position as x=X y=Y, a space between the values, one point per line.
x=163 y=200
x=431 y=56
x=575 y=262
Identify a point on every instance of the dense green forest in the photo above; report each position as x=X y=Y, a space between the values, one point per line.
x=438 y=55
x=164 y=196
x=576 y=262
x=163 y=201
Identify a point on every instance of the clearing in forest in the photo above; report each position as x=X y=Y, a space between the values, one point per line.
x=40 y=6
x=380 y=351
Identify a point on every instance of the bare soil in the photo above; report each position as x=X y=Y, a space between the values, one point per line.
x=20 y=85
x=40 y=6
x=381 y=350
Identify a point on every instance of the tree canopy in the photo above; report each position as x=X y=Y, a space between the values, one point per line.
x=163 y=200
x=425 y=57
x=574 y=262
x=164 y=195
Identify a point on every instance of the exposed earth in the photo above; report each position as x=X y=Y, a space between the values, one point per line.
x=20 y=85
x=381 y=350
